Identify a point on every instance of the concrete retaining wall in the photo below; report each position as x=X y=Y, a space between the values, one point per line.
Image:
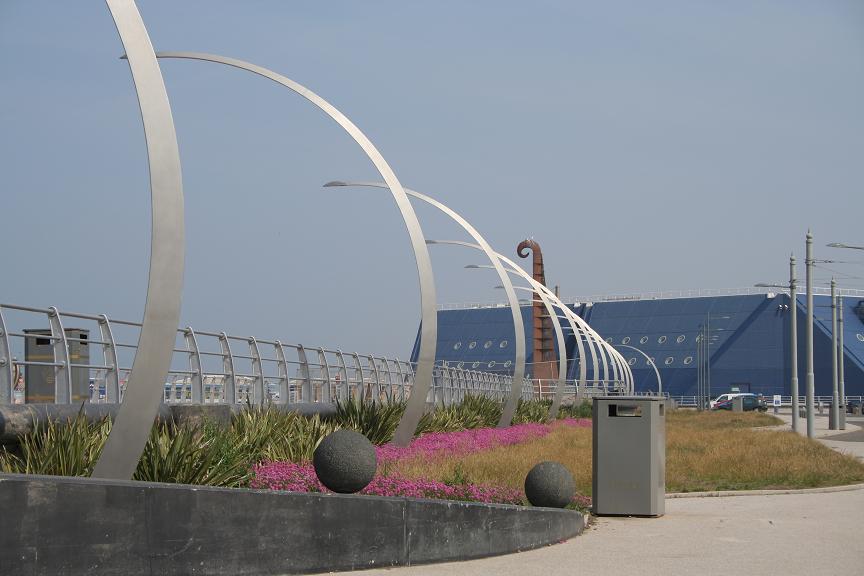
x=57 y=525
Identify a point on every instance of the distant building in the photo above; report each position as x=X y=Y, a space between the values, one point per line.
x=749 y=336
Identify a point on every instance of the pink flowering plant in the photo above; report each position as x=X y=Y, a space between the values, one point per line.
x=300 y=477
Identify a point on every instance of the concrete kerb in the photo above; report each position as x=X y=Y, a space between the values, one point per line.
x=724 y=493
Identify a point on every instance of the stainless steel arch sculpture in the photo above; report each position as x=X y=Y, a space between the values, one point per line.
x=518 y=326
x=429 y=318
x=144 y=389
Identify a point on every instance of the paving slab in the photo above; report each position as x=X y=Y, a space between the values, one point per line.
x=788 y=534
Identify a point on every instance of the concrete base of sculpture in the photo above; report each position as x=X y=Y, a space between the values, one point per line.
x=60 y=525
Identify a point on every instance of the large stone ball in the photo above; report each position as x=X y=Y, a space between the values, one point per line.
x=550 y=484
x=345 y=461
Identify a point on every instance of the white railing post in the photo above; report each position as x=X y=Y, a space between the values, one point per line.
x=109 y=355
x=258 y=388
x=229 y=386
x=282 y=370
x=7 y=386
x=62 y=371
x=194 y=357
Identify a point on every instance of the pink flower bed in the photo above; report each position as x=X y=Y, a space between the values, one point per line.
x=301 y=477
x=471 y=441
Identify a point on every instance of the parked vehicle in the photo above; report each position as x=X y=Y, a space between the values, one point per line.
x=750 y=402
x=728 y=396
x=851 y=405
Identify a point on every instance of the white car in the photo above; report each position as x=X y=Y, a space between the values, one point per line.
x=728 y=396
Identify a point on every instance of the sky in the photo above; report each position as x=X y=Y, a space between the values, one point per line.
x=646 y=146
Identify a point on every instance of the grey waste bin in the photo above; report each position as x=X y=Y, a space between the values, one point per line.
x=629 y=449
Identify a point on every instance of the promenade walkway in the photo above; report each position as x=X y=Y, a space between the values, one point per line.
x=810 y=534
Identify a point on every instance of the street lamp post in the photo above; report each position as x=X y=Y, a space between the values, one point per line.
x=808 y=264
x=793 y=342
x=840 y=348
x=834 y=415
x=793 y=339
x=841 y=357
x=651 y=362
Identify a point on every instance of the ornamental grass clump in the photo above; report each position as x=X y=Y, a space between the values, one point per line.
x=58 y=448
x=375 y=420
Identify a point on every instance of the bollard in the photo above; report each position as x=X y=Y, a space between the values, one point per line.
x=819 y=407
x=738 y=404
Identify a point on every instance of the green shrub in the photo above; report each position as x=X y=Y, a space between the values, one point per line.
x=58 y=448
x=532 y=411
x=471 y=412
x=581 y=410
x=375 y=420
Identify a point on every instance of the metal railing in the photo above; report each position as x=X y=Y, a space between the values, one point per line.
x=785 y=401
x=68 y=366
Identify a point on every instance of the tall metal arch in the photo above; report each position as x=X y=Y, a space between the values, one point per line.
x=144 y=389
x=518 y=326
x=429 y=318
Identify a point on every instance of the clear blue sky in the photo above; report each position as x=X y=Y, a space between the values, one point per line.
x=645 y=145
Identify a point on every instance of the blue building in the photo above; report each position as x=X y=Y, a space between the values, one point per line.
x=749 y=335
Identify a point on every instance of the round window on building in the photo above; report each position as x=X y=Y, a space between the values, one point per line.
x=661 y=340
x=650 y=361
x=609 y=340
x=688 y=360
x=669 y=360
x=680 y=338
x=699 y=338
x=487 y=344
x=632 y=361
x=860 y=337
x=508 y=363
x=475 y=365
x=643 y=339
x=457 y=345
x=460 y=365
x=472 y=345
x=626 y=340
x=503 y=344
x=491 y=364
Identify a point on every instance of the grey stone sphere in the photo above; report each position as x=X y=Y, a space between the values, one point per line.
x=345 y=461
x=550 y=484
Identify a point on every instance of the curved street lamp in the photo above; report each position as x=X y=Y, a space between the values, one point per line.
x=580 y=327
x=136 y=414
x=562 y=351
x=429 y=317
x=650 y=361
x=519 y=367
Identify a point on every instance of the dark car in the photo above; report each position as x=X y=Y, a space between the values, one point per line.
x=750 y=402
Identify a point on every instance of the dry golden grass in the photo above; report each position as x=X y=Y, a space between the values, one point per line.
x=707 y=451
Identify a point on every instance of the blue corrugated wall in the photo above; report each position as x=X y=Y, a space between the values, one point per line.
x=749 y=341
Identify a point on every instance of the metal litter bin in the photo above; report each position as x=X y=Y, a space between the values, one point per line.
x=629 y=449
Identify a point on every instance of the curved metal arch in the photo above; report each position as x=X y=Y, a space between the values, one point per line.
x=516 y=269
x=518 y=326
x=650 y=361
x=144 y=389
x=429 y=318
x=562 y=352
